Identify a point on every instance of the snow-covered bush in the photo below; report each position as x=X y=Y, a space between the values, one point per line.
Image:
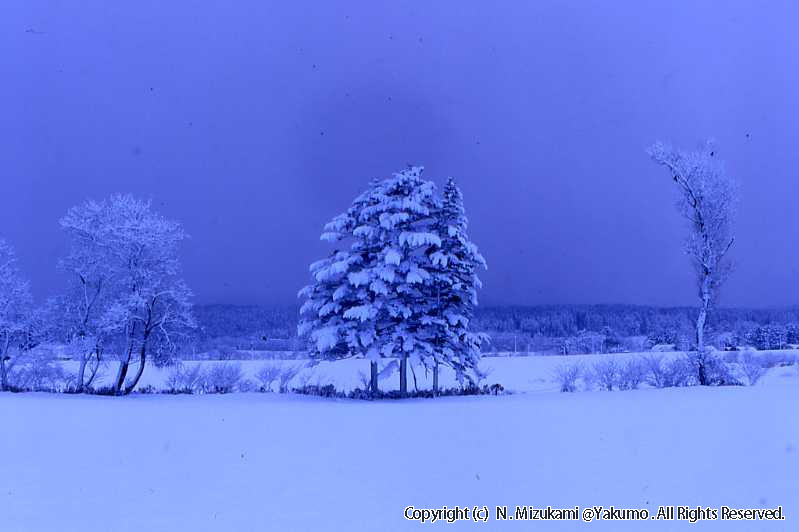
x=184 y=379
x=611 y=374
x=363 y=380
x=287 y=374
x=656 y=374
x=40 y=374
x=730 y=357
x=328 y=390
x=751 y=367
x=87 y=350
x=304 y=380
x=567 y=375
x=660 y=373
x=222 y=378
x=680 y=372
x=715 y=371
x=496 y=389
x=605 y=374
x=248 y=385
x=267 y=375
x=631 y=375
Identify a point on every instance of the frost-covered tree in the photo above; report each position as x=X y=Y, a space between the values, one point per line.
x=127 y=291
x=15 y=308
x=91 y=266
x=369 y=299
x=453 y=290
x=708 y=200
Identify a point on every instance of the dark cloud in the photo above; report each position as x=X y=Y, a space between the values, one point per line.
x=256 y=123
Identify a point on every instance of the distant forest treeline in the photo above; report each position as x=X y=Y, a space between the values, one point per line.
x=550 y=328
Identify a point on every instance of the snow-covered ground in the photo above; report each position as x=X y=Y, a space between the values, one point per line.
x=285 y=462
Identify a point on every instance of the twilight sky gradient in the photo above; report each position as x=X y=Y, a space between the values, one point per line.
x=254 y=122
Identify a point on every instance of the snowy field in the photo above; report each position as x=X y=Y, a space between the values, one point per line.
x=252 y=461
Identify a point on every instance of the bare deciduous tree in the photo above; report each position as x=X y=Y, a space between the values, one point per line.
x=128 y=292
x=15 y=306
x=708 y=200
x=88 y=264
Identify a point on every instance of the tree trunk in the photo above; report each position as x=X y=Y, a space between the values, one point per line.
x=123 y=369
x=700 y=331
x=373 y=378
x=701 y=369
x=435 y=379
x=94 y=370
x=81 y=373
x=403 y=373
x=700 y=347
x=3 y=368
x=142 y=359
x=3 y=375
x=122 y=373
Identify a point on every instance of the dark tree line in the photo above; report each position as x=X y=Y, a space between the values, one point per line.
x=536 y=328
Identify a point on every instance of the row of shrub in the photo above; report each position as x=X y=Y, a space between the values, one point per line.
x=47 y=375
x=329 y=391
x=227 y=378
x=733 y=369
x=40 y=375
x=766 y=359
x=730 y=368
x=223 y=378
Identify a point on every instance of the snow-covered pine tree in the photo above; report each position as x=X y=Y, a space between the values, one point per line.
x=454 y=288
x=369 y=300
